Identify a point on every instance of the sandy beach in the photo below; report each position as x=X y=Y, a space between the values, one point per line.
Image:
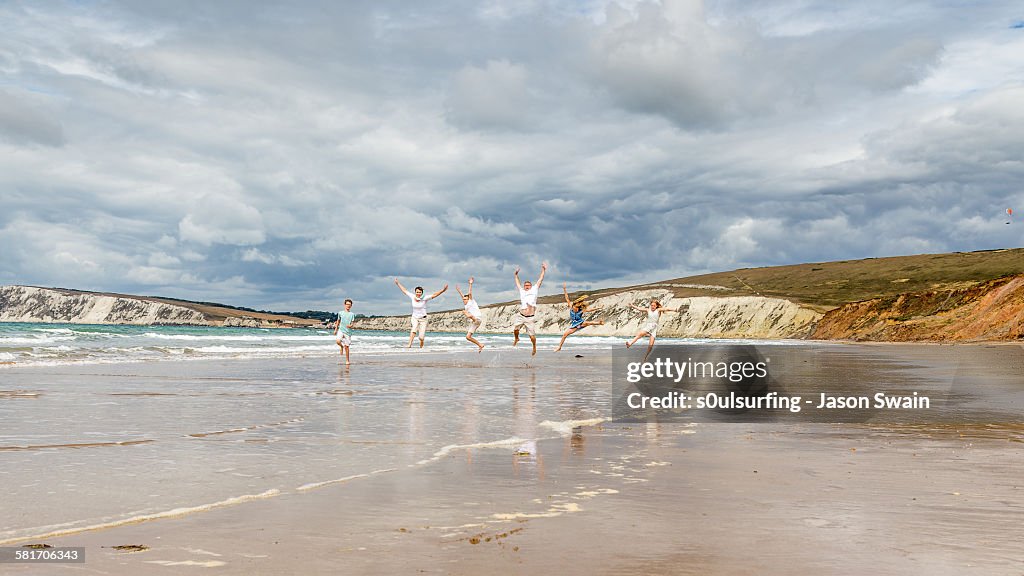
x=458 y=463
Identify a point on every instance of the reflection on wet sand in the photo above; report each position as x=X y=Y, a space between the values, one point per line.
x=969 y=430
x=18 y=394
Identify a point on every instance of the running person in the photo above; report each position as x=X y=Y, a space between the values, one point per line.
x=343 y=329
x=650 y=329
x=527 y=308
x=576 y=310
x=472 y=312
x=418 y=320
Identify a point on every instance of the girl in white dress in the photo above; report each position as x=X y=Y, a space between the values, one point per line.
x=650 y=329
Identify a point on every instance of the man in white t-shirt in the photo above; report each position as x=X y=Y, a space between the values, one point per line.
x=418 y=320
x=527 y=307
x=473 y=316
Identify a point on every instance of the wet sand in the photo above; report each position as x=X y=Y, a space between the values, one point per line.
x=942 y=497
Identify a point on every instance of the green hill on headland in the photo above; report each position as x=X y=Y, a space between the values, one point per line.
x=827 y=285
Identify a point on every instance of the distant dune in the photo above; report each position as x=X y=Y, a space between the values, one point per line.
x=962 y=296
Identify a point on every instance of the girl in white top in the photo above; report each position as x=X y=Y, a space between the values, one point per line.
x=650 y=329
x=418 y=320
x=473 y=315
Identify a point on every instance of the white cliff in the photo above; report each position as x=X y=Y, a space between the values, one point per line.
x=31 y=304
x=699 y=317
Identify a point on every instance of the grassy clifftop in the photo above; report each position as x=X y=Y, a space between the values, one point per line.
x=823 y=286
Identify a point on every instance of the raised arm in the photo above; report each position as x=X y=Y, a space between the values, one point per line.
x=461 y=295
x=402 y=288
x=469 y=291
x=639 y=308
x=439 y=292
x=519 y=284
x=543 y=269
x=565 y=292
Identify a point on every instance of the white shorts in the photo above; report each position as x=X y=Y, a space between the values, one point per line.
x=651 y=328
x=473 y=325
x=343 y=339
x=527 y=321
x=418 y=325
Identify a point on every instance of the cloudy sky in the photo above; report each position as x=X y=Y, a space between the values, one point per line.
x=291 y=155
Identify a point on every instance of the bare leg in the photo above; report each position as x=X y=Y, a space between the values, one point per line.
x=347 y=360
x=469 y=337
x=649 y=348
x=638 y=336
x=515 y=340
x=411 y=336
x=421 y=342
x=566 y=335
x=533 y=340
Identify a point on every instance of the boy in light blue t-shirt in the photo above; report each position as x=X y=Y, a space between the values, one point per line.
x=343 y=329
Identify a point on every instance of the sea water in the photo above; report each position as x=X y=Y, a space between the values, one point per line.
x=32 y=344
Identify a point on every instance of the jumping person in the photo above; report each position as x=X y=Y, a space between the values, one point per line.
x=473 y=315
x=418 y=320
x=527 y=308
x=343 y=330
x=576 y=310
x=650 y=329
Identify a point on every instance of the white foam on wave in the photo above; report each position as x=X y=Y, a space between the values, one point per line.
x=315 y=485
x=553 y=511
x=76 y=333
x=87 y=356
x=206 y=564
x=242 y=337
x=261 y=350
x=175 y=513
x=513 y=441
x=61 y=348
x=55 y=330
x=565 y=426
x=32 y=340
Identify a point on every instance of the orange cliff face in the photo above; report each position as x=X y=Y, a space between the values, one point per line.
x=991 y=310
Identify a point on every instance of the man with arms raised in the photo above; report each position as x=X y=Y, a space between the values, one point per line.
x=527 y=307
